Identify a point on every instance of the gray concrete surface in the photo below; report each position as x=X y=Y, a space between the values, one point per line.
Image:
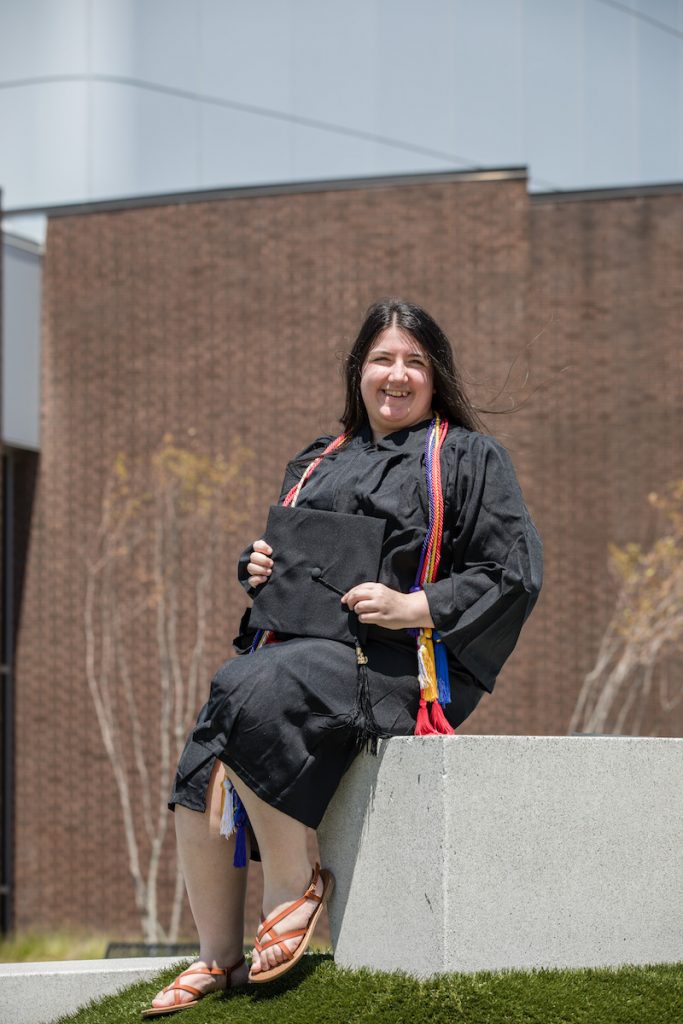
x=38 y=993
x=467 y=853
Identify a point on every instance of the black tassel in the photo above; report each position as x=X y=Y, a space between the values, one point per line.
x=363 y=718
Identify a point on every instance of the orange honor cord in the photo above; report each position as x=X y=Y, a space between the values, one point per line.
x=431 y=656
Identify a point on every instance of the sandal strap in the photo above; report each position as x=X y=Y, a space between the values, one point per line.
x=276 y=918
x=314 y=881
x=285 y=935
x=282 y=938
x=288 y=953
x=229 y=970
x=202 y=969
x=310 y=894
x=177 y=986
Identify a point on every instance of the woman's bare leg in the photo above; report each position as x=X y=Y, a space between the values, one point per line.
x=216 y=890
x=286 y=868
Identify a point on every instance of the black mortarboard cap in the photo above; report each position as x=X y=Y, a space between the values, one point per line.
x=317 y=556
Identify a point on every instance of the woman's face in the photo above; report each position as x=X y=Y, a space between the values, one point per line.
x=397 y=382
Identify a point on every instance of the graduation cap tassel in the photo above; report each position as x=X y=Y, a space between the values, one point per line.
x=363 y=717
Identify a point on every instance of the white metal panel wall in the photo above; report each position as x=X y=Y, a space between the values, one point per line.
x=21 y=269
x=108 y=98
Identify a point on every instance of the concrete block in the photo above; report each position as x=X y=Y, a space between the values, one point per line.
x=37 y=993
x=467 y=853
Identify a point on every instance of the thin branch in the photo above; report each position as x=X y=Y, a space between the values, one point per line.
x=135 y=721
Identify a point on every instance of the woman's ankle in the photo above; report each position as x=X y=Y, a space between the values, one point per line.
x=285 y=886
x=223 y=956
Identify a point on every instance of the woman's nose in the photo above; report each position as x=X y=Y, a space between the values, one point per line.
x=398 y=372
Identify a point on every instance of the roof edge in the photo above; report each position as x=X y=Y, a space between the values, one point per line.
x=609 y=192
x=346 y=184
x=24 y=244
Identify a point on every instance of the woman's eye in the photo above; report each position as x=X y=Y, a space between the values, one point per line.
x=415 y=363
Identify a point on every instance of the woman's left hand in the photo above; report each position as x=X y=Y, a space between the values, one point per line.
x=374 y=603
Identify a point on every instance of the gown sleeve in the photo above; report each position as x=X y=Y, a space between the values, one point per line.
x=293 y=473
x=497 y=559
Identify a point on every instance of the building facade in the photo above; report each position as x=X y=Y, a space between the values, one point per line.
x=222 y=322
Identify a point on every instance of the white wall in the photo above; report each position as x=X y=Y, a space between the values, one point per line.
x=21 y=272
x=108 y=98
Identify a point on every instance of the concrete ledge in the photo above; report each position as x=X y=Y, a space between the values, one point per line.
x=466 y=853
x=37 y=993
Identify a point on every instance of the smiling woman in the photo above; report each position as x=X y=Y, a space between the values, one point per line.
x=460 y=570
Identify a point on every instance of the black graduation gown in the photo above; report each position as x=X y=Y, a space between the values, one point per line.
x=280 y=717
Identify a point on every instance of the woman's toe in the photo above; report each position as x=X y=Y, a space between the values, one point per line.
x=164 y=999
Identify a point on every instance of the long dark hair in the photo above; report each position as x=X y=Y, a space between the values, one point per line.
x=450 y=399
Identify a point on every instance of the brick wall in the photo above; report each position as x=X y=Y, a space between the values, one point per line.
x=223 y=322
x=610 y=430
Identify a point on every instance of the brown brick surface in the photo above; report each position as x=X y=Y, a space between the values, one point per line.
x=226 y=319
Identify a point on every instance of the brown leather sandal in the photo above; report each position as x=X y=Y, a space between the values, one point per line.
x=304 y=933
x=176 y=986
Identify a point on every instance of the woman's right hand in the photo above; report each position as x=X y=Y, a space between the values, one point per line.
x=260 y=564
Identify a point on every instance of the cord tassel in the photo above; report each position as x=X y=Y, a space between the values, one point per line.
x=426 y=665
x=432 y=658
x=439 y=721
x=227 y=826
x=234 y=820
x=423 y=727
x=442 y=675
x=240 y=858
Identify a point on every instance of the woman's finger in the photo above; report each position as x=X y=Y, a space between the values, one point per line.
x=262 y=545
x=258 y=570
x=256 y=558
x=357 y=593
x=256 y=581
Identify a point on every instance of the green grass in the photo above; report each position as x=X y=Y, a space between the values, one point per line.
x=38 y=946
x=317 y=992
x=74 y=944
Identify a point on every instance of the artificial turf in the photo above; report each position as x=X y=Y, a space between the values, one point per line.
x=317 y=992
